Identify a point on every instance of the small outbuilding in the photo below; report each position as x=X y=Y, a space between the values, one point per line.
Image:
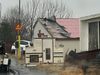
x=52 y=39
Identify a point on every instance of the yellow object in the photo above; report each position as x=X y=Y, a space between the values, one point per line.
x=19 y=49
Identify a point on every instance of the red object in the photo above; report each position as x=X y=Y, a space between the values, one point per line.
x=71 y=25
x=18 y=27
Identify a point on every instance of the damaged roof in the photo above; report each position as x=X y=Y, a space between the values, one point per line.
x=56 y=30
x=61 y=28
x=71 y=25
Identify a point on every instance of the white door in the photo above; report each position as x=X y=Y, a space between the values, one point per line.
x=47 y=51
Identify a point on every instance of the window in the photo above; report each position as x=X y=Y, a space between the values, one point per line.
x=34 y=58
x=48 y=53
x=93 y=35
x=23 y=43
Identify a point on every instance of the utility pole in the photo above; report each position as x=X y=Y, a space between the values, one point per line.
x=18 y=31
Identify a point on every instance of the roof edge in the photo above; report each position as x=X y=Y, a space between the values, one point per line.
x=90 y=16
x=68 y=38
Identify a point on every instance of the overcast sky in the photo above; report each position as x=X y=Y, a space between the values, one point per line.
x=79 y=7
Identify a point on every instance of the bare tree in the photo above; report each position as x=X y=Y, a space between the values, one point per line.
x=12 y=16
x=33 y=10
x=48 y=8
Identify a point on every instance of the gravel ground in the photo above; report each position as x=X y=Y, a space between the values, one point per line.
x=21 y=69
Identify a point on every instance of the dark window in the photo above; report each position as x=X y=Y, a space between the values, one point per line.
x=99 y=35
x=23 y=43
x=48 y=53
x=34 y=58
x=93 y=35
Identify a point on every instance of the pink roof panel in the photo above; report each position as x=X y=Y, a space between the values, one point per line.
x=71 y=25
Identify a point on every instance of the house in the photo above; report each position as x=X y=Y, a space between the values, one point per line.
x=72 y=26
x=90 y=32
x=52 y=39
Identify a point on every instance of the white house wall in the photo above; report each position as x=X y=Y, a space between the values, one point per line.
x=27 y=60
x=58 y=60
x=69 y=45
x=84 y=36
x=35 y=50
x=38 y=44
x=39 y=48
x=40 y=27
